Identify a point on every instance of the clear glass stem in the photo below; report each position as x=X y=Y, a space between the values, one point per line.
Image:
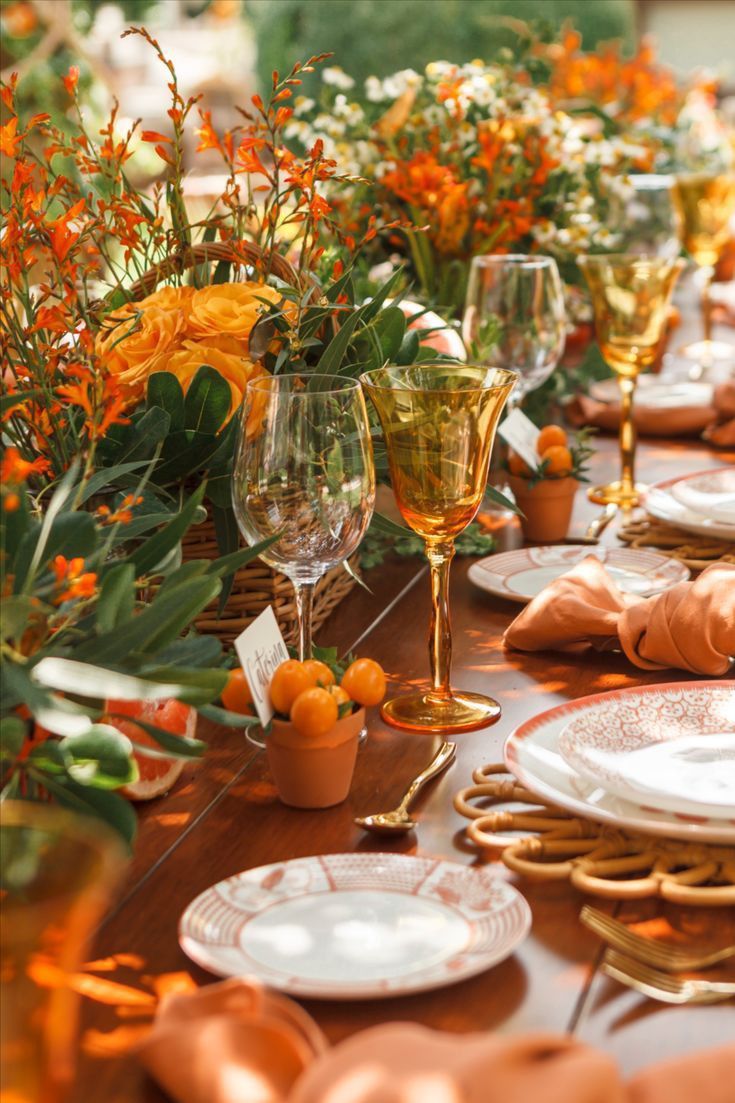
x=304 y=592
x=627 y=434
x=440 y=554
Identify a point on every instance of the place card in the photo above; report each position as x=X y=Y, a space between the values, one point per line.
x=261 y=649
x=521 y=434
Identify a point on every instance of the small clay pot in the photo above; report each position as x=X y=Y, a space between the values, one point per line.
x=547 y=506
x=314 y=773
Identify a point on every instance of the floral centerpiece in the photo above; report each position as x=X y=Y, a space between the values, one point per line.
x=130 y=329
x=476 y=155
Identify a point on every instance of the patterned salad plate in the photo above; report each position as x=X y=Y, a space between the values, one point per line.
x=674 y=749
x=703 y=503
x=520 y=575
x=355 y=926
x=533 y=754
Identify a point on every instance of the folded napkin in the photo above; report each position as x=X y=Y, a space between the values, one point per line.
x=237 y=1043
x=717 y=420
x=721 y=432
x=691 y=626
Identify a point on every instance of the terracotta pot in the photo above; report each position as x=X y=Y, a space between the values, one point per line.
x=547 y=507
x=314 y=773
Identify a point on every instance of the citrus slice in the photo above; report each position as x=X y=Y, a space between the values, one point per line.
x=156 y=774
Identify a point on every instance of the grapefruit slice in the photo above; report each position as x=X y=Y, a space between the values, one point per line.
x=156 y=775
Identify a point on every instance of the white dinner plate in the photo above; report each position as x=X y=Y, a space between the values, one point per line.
x=355 y=926
x=710 y=494
x=655 y=392
x=661 y=502
x=672 y=748
x=520 y=575
x=532 y=755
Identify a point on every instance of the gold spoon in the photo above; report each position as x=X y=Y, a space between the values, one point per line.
x=399 y=821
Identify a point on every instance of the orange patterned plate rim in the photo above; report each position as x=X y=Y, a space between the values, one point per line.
x=355 y=926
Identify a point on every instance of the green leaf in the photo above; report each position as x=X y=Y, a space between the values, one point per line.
x=227 y=564
x=175 y=746
x=196 y=686
x=116 y=600
x=107 y=477
x=186 y=452
x=496 y=496
x=390 y=326
x=165 y=391
x=16 y=611
x=191 y=651
x=371 y=309
x=33 y=556
x=208 y=401
x=143 y=437
x=333 y=356
x=156 y=626
x=102 y=757
x=100 y=803
x=13 y=732
x=390 y=528
x=98 y=682
x=156 y=547
x=229 y=719
x=408 y=351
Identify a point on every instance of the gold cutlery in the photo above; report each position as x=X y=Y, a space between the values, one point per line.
x=398 y=821
x=595 y=528
x=672 y=959
x=663 y=986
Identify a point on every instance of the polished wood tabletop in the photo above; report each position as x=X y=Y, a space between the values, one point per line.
x=223 y=816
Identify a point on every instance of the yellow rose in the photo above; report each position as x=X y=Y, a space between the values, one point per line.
x=229 y=308
x=170 y=298
x=133 y=344
x=224 y=354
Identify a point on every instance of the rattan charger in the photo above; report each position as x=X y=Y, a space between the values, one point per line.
x=596 y=859
x=255 y=586
x=695 y=552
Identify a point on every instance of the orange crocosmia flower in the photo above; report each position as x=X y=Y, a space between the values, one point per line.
x=9 y=138
x=229 y=309
x=123 y=515
x=71 y=79
x=71 y=575
x=14 y=469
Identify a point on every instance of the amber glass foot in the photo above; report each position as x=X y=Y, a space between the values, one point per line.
x=618 y=494
x=426 y=712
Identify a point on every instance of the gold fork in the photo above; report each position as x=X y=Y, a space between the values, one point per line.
x=662 y=986
x=672 y=959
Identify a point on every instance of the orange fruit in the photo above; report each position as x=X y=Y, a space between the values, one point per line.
x=155 y=775
x=549 y=436
x=340 y=695
x=289 y=680
x=364 y=682
x=558 y=460
x=236 y=696
x=314 y=712
x=518 y=466
x=320 y=673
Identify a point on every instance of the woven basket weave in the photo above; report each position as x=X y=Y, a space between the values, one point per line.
x=255 y=586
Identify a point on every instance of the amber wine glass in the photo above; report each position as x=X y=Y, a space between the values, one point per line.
x=706 y=205
x=304 y=473
x=630 y=298
x=57 y=870
x=438 y=424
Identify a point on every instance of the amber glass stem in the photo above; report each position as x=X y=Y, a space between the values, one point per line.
x=707 y=303
x=440 y=554
x=304 y=592
x=627 y=434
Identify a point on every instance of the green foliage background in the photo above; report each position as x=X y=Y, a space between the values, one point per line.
x=382 y=36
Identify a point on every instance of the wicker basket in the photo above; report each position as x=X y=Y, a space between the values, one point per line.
x=256 y=585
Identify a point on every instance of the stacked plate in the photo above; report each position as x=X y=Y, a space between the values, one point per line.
x=658 y=759
x=703 y=503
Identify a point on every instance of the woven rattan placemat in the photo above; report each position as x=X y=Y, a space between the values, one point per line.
x=597 y=859
x=696 y=552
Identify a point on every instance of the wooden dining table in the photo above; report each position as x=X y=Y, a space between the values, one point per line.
x=224 y=816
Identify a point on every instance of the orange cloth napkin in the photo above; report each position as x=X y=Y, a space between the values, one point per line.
x=237 y=1043
x=691 y=626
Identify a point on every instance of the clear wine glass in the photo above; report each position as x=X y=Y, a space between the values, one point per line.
x=304 y=472
x=644 y=216
x=514 y=317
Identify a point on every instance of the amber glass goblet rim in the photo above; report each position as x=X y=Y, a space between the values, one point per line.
x=645 y=260
x=383 y=379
